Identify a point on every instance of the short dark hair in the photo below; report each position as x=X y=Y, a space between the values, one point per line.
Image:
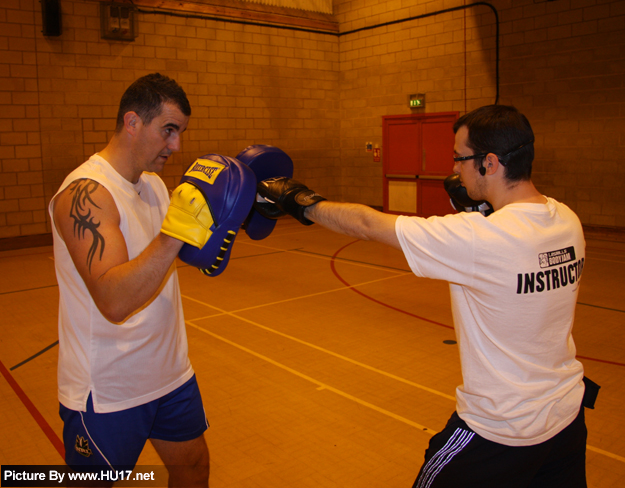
x=504 y=131
x=146 y=97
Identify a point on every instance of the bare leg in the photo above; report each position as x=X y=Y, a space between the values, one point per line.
x=188 y=462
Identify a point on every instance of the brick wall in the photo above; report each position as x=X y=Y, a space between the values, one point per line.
x=246 y=84
x=448 y=56
x=319 y=97
x=562 y=63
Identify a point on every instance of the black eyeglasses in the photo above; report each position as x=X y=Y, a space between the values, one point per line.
x=483 y=155
x=473 y=156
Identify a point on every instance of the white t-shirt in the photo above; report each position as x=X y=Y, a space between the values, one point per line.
x=514 y=278
x=132 y=363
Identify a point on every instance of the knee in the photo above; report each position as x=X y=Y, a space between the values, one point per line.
x=199 y=470
x=202 y=466
x=189 y=476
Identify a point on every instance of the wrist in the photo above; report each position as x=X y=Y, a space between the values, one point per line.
x=310 y=211
x=170 y=243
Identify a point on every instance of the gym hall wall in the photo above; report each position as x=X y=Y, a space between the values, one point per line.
x=318 y=94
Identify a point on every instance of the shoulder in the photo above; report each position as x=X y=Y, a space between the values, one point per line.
x=84 y=199
x=462 y=221
x=441 y=233
x=89 y=170
x=560 y=207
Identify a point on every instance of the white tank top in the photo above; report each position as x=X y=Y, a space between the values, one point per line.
x=132 y=363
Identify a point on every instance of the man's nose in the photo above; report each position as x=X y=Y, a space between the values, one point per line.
x=174 y=144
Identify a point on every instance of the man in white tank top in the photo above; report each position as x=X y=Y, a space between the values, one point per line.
x=514 y=279
x=124 y=373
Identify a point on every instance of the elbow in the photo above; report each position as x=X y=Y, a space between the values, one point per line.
x=364 y=228
x=114 y=314
x=361 y=233
x=117 y=310
x=114 y=302
x=112 y=309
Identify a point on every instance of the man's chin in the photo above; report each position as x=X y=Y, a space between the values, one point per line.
x=158 y=165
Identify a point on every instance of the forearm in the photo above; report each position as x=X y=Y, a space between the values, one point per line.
x=131 y=285
x=355 y=220
x=296 y=199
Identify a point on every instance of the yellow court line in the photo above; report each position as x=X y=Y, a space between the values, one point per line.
x=606 y=453
x=331 y=353
x=339 y=392
x=379 y=267
x=219 y=310
x=330 y=258
x=333 y=290
x=320 y=384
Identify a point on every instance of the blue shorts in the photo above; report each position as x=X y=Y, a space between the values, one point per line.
x=116 y=439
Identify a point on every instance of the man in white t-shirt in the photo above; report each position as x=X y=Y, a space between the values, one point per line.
x=514 y=277
x=124 y=374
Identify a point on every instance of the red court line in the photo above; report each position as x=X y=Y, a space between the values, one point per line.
x=601 y=360
x=36 y=415
x=373 y=299
x=417 y=316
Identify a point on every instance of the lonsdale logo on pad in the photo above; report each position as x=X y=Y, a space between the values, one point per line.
x=205 y=170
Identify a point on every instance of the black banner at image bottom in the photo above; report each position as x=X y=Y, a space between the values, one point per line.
x=61 y=475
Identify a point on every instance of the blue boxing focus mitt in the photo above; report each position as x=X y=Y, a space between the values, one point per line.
x=266 y=162
x=213 y=199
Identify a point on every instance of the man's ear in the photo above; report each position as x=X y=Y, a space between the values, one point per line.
x=131 y=122
x=491 y=163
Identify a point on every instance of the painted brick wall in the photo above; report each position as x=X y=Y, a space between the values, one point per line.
x=449 y=56
x=22 y=200
x=319 y=97
x=246 y=84
x=562 y=63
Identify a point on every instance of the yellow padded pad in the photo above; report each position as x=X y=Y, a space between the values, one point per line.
x=189 y=217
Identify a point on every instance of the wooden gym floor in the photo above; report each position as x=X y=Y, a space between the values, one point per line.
x=323 y=362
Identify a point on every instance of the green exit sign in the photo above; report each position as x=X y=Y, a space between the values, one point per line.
x=417 y=100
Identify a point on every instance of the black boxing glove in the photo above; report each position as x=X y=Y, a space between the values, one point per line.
x=267 y=209
x=461 y=200
x=284 y=195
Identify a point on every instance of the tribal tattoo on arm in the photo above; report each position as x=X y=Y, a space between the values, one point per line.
x=82 y=190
